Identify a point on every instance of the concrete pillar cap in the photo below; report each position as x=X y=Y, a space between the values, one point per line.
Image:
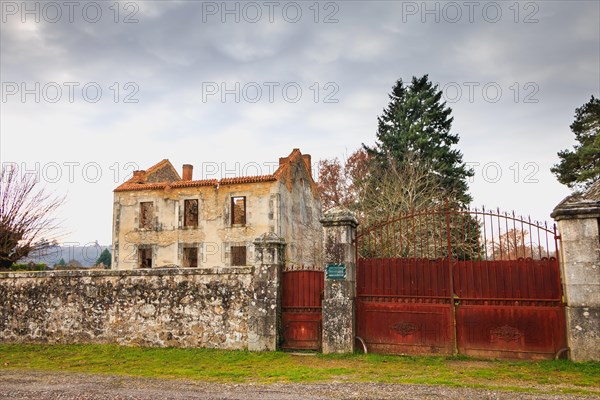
x=339 y=216
x=268 y=238
x=579 y=204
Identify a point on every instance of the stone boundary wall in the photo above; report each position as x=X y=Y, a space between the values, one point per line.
x=158 y=307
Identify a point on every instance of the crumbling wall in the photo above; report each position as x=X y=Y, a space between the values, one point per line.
x=300 y=218
x=164 y=307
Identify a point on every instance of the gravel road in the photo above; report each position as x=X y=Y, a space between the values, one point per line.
x=70 y=386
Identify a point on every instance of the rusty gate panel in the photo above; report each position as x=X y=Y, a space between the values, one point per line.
x=452 y=280
x=403 y=306
x=509 y=308
x=518 y=281
x=510 y=331
x=301 y=309
x=405 y=328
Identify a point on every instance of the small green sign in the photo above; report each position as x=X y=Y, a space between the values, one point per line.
x=335 y=271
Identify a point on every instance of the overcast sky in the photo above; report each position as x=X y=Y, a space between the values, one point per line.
x=93 y=90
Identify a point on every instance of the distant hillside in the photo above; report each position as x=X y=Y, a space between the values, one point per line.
x=85 y=255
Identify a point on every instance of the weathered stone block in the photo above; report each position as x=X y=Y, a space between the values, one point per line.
x=584 y=333
x=583 y=295
x=338 y=325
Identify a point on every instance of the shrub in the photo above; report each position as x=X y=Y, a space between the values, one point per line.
x=29 y=267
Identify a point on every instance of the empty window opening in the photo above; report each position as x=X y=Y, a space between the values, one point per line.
x=190 y=257
x=190 y=213
x=238 y=256
x=145 y=257
x=146 y=214
x=238 y=210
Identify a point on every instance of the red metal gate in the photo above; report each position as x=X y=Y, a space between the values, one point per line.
x=301 y=309
x=403 y=305
x=445 y=281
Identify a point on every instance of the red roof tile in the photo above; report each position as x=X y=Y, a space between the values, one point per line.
x=127 y=186
x=139 y=182
x=247 y=179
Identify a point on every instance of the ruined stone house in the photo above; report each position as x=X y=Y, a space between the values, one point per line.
x=163 y=219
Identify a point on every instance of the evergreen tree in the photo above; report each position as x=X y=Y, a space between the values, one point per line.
x=105 y=258
x=417 y=123
x=581 y=167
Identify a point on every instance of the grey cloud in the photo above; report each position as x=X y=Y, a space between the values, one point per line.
x=171 y=52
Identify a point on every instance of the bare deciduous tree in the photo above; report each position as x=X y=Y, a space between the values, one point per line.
x=411 y=194
x=396 y=189
x=375 y=192
x=26 y=216
x=515 y=244
x=339 y=184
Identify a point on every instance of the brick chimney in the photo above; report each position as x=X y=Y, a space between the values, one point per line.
x=187 y=172
x=139 y=176
x=306 y=158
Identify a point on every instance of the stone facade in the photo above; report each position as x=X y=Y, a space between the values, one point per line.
x=578 y=218
x=161 y=219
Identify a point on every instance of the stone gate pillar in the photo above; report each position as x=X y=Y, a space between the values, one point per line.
x=339 y=231
x=264 y=311
x=578 y=218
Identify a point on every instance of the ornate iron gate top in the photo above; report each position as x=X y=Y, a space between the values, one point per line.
x=463 y=234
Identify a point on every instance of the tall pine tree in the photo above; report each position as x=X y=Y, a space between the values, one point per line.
x=417 y=123
x=579 y=168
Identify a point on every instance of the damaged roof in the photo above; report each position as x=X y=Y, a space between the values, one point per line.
x=163 y=175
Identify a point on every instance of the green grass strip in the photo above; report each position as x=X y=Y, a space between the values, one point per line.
x=224 y=366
